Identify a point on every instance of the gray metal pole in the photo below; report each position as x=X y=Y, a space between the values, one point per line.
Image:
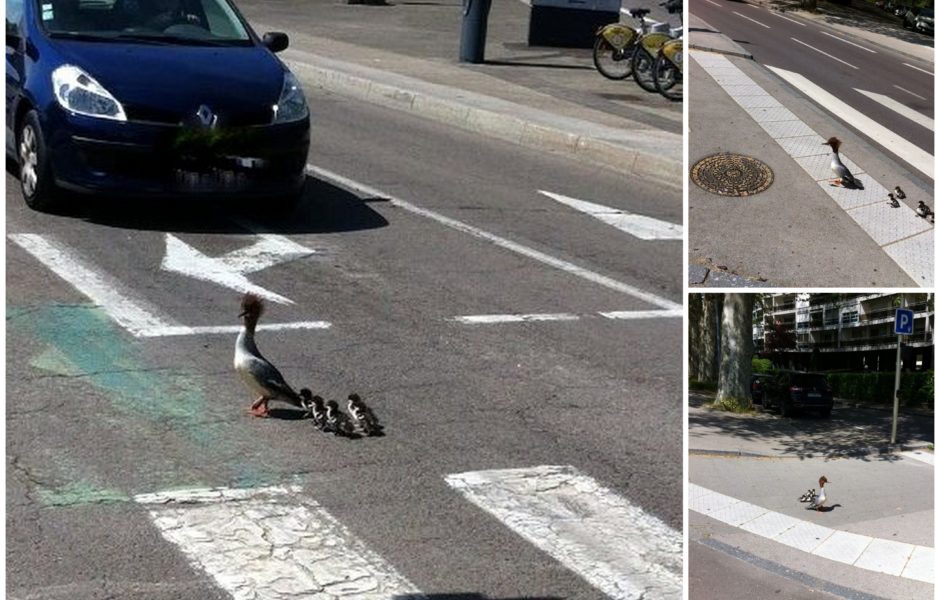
x=897 y=384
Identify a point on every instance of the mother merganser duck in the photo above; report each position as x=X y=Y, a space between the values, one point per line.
x=820 y=501
x=256 y=372
x=842 y=173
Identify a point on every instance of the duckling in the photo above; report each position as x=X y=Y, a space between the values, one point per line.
x=363 y=416
x=923 y=210
x=842 y=173
x=314 y=405
x=892 y=201
x=899 y=192
x=256 y=372
x=809 y=496
x=337 y=421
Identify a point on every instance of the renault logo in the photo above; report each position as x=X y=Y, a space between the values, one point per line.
x=206 y=117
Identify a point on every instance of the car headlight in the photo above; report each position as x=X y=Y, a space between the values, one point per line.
x=78 y=92
x=292 y=105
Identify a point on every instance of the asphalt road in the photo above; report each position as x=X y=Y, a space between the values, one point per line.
x=833 y=62
x=96 y=415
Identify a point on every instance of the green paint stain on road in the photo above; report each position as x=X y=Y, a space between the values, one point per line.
x=80 y=492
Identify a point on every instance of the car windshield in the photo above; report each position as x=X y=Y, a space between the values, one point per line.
x=927 y=12
x=191 y=22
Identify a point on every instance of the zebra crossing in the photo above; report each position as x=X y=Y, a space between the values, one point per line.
x=277 y=542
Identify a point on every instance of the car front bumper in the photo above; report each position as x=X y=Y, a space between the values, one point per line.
x=146 y=159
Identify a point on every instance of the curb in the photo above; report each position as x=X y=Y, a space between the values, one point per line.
x=704 y=48
x=857 y=453
x=641 y=153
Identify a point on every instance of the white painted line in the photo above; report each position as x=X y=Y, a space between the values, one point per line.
x=643 y=314
x=715 y=3
x=774 y=13
x=496 y=240
x=182 y=258
x=492 y=319
x=750 y=19
x=229 y=329
x=824 y=53
x=917 y=69
x=848 y=42
x=645 y=228
x=907 y=112
x=98 y=287
x=272 y=543
x=906 y=91
x=864 y=552
x=897 y=145
x=921 y=455
x=614 y=545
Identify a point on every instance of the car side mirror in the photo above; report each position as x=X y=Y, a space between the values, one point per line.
x=275 y=41
x=13 y=36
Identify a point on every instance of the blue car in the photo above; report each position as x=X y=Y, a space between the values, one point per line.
x=150 y=98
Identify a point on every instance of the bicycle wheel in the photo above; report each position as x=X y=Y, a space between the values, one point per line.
x=610 y=62
x=667 y=78
x=643 y=69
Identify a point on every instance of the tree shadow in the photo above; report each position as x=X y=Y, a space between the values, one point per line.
x=874 y=22
x=850 y=432
x=467 y=596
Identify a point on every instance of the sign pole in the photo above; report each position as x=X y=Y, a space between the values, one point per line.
x=903 y=325
x=897 y=386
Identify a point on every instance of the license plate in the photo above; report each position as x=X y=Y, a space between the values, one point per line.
x=814 y=395
x=216 y=179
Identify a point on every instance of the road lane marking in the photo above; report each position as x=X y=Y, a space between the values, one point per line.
x=645 y=228
x=894 y=143
x=873 y=554
x=715 y=3
x=603 y=280
x=230 y=329
x=848 y=42
x=774 y=13
x=614 y=545
x=909 y=92
x=824 y=53
x=625 y=315
x=917 y=69
x=100 y=288
x=750 y=19
x=272 y=543
x=904 y=111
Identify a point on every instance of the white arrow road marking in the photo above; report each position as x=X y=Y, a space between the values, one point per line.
x=563 y=265
x=904 y=111
x=615 y=546
x=645 y=228
x=228 y=270
x=897 y=145
x=273 y=543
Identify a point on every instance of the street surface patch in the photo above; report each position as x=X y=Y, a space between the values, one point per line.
x=615 y=546
x=728 y=174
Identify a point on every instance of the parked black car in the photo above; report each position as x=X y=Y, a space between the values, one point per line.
x=757 y=387
x=789 y=391
x=919 y=19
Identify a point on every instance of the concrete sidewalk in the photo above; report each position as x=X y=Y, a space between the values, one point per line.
x=800 y=231
x=404 y=56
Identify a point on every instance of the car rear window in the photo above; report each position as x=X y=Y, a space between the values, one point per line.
x=810 y=381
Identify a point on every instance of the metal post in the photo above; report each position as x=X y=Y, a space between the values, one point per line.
x=473 y=30
x=897 y=384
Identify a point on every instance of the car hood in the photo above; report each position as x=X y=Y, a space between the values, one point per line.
x=166 y=83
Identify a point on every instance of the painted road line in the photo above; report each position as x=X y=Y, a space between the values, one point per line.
x=100 y=288
x=921 y=455
x=603 y=280
x=904 y=111
x=906 y=91
x=774 y=13
x=644 y=314
x=272 y=543
x=614 y=545
x=865 y=552
x=645 y=228
x=917 y=69
x=715 y=3
x=894 y=143
x=625 y=315
x=904 y=238
x=750 y=19
x=848 y=42
x=824 y=53
x=230 y=329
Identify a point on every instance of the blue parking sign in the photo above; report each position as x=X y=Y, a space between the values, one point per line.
x=904 y=322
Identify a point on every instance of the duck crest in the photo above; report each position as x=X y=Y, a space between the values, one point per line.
x=252 y=305
x=834 y=143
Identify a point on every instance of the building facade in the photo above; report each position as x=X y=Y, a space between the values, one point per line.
x=852 y=332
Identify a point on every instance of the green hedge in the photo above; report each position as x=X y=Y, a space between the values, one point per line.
x=703 y=386
x=762 y=365
x=916 y=388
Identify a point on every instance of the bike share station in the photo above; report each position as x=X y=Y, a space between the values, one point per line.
x=558 y=23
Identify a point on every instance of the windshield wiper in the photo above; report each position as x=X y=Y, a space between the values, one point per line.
x=169 y=39
x=82 y=36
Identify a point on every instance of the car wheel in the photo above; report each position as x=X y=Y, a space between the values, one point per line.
x=786 y=409
x=36 y=182
x=825 y=413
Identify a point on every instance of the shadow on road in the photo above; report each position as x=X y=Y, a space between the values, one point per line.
x=880 y=23
x=853 y=432
x=467 y=596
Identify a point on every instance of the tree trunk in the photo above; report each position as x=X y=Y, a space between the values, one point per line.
x=737 y=349
x=711 y=336
x=695 y=336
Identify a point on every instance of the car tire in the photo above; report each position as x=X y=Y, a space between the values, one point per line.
x=786 y=409
x=825 y=413
x=32 y=157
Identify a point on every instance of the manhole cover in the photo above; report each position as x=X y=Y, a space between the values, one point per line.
x=729 y=174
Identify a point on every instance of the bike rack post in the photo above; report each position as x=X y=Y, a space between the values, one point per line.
x=473 y=30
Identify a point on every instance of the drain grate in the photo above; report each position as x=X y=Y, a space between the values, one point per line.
x=728 y=174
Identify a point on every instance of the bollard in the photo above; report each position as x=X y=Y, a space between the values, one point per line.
x=473 y=30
